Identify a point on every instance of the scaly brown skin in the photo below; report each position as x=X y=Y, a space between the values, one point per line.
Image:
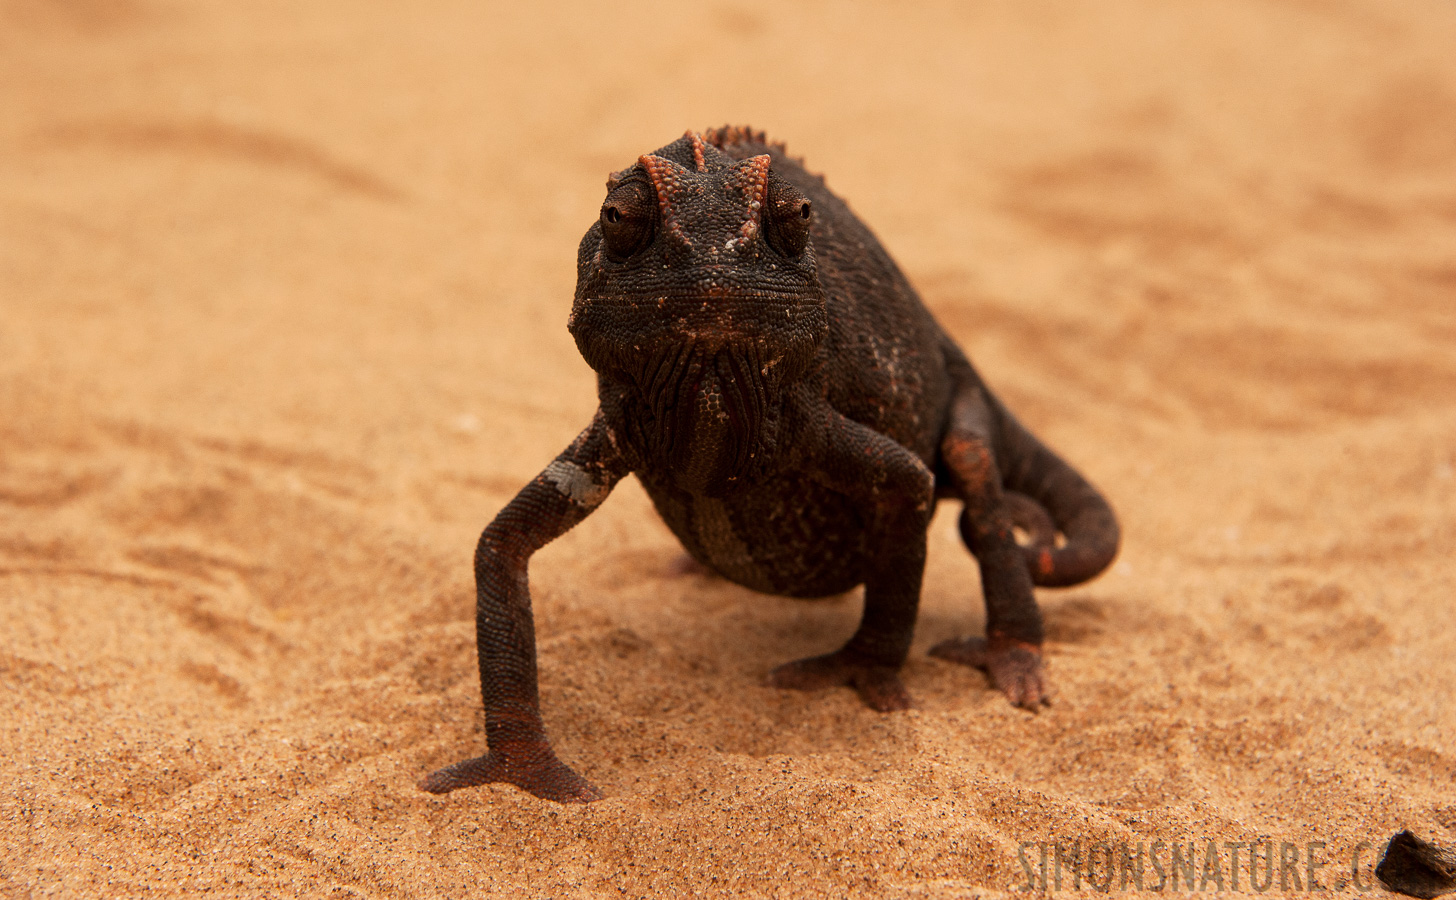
x=794 y=412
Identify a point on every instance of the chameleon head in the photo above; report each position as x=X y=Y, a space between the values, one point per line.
x=698 y=300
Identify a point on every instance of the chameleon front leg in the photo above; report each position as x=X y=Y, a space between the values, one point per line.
x=574 y=484
x=896 y=492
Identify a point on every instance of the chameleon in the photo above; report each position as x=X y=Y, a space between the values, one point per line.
x=794 y=412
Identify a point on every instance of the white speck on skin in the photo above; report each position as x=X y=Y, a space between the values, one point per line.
x=575 y=483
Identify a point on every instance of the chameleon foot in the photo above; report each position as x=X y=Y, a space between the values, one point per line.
x=1014 y=667
x=878 y=686
x=545 y=776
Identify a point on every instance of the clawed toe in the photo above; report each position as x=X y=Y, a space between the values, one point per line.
x=548 y=778
x=878 y=686
x=1014 y=666
x=969 y=651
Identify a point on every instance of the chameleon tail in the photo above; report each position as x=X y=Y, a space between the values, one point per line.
x=1079 y=510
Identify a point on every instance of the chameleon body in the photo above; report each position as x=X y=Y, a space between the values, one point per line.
x=794 y=412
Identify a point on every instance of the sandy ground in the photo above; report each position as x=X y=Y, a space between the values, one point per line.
x=283 y=291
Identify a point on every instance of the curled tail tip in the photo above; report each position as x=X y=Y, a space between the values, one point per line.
x=1086 y=555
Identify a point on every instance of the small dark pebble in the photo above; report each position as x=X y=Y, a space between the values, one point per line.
x=1416 y=868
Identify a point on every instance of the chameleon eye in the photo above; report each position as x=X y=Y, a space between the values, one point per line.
x=627 y=218
x=786 y=218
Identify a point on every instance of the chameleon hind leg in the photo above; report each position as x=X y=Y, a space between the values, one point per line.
x=1010 y=653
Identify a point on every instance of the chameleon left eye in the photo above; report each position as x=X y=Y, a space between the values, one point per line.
x=786 y=218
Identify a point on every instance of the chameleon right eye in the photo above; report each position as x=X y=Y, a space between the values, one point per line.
x=627 y=217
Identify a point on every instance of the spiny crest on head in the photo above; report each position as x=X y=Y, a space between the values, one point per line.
x=742 y=136
x=739 y=141
x=697 y=143
x=677 y=186
x=750 y=177
x=673 y=184
x=736 y=134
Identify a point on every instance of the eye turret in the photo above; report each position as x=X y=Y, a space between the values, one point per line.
x=786 y=218
x=628 y=215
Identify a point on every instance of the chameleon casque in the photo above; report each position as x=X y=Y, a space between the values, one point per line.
x=794 y=412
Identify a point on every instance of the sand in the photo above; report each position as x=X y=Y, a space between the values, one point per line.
x=283 y=291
